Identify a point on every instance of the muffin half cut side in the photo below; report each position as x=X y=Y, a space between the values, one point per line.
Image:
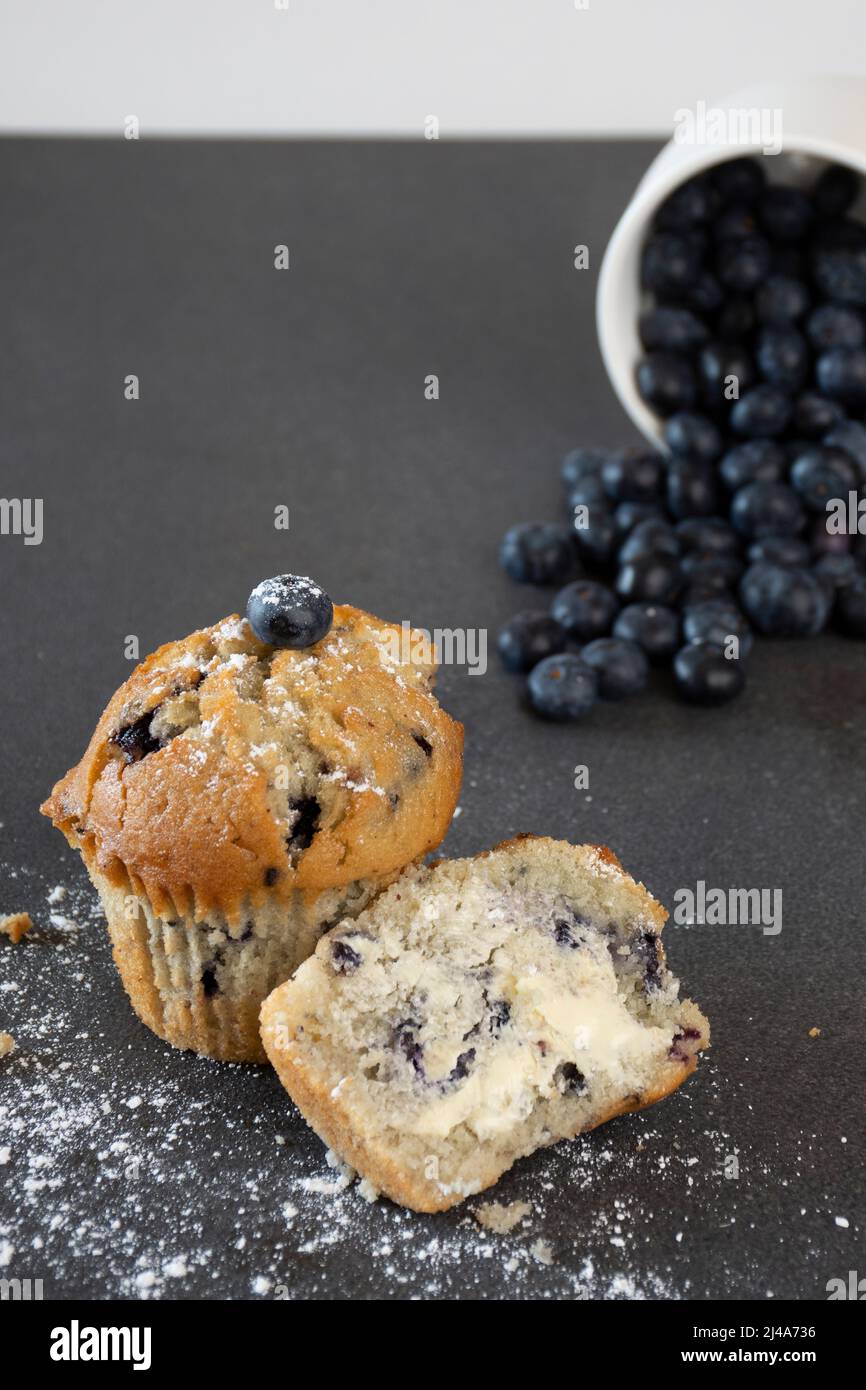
x=479 y=1010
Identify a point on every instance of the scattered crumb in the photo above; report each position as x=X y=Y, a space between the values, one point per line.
x=814 y=1032
x=542 y=1252
x=367 y=1191
x=58 y=894
x=15 y=925
x=841 y=1221
x=7 y=1044
x=502 y=1218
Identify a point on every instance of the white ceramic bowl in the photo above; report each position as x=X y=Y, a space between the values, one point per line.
x=823 y=120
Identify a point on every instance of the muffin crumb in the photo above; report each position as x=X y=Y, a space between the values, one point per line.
x=15 y=925
x=542 y=1252
x=814 y=1032
x=502 y=1217
x=7 y=1044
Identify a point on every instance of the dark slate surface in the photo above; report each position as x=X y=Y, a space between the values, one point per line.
x=306 y=388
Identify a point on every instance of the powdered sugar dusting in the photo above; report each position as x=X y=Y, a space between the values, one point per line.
x=131 y=1170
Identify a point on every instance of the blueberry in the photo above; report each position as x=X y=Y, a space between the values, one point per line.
x=209 y=982
x=670 y=263
x=344 y=959
x=834 y=325
x=135 y=741
x=850 y=436
x=785 y=214
x=628 y=515
x=691 y=489
x=538 y=552
x=694 y=201
x=585 y=609
x=758 y=461
x=835 y=571
x=306 y=811
x=835 y=190
x=723 y=368
x=705 y=295
x=705 y=676
x=672 y=329
x=666 y=382
x=581 y=463
x=562 y=687
x=743 y=263
x=706 y=589
x=761 y=413
x=735 y=220
x=587 y=492
x=767 y=509
x=711 y=568
x=289 y=611
x=715 y=622
x=424 y=744
x=782 y=601
x=783 y=357
x=596 y=536
x=782 y=299
x=824 y=542
x=850 y=613
x=405 y=1037
x=841 y=373
x=821 y=472
x=689 y=434
x=570 y=1080
x=527 y=638
x=684 y=1035
x=500 y=1013
x=710 y=533
x=461 y=1067
x=839 y=234
x=621 y=666
x=650 y=537
x=654 y=627
x=790 y=260
x=564 y=933
x=742 y=178
x=736 y=319
x=840 y=273
x=633 y=476
x=815 y=414
x=649 y=578
x=779 y=550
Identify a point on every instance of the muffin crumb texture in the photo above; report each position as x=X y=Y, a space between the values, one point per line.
x=15 y=925
x=501 y=1218
x=479 y=1010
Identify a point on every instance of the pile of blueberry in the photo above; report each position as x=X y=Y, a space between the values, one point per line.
x=754 y=340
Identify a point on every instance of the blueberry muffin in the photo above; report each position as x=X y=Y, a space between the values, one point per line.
x=478 y=1010
x=238 y=798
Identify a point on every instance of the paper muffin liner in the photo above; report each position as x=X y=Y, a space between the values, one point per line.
x=200 y=983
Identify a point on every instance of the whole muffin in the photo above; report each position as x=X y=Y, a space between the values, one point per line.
x=236 y=800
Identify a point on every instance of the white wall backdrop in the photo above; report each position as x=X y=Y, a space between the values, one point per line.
x=381 y=66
